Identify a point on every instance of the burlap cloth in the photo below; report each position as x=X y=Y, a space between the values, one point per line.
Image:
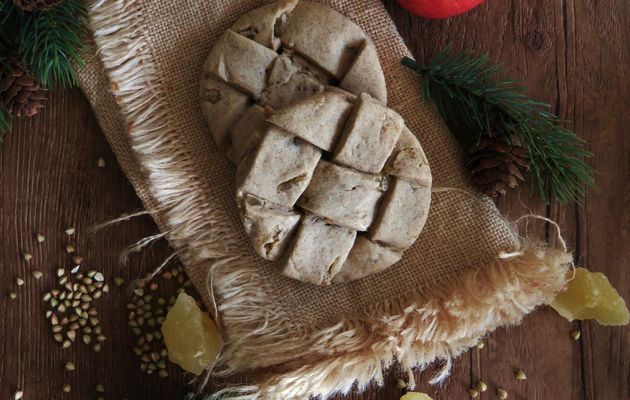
x=453 y=286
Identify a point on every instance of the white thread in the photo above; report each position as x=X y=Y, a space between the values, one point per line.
x=138 y=246
x=509 y=255
x=114 y=221
x=558 y=235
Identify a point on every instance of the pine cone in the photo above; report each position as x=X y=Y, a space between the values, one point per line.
x=20 y=92
x=496 y=165
x=30 y=5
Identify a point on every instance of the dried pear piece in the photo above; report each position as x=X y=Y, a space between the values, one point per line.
x=192 y=338
x=416 y=396
x=591 y=296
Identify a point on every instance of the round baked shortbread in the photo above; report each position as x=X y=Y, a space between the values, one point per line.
x=331 y=185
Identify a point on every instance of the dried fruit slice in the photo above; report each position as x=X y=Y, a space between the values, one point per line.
x=192 y=338
x=416 y=396
x=591 y=296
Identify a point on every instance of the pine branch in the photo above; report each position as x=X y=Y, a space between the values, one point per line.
x=8 y=32
x=50 y=41
x=5 y=126
x=468 y=95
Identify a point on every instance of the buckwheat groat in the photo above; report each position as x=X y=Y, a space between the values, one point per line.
x=241 y=62
x=408 y=160
x=318 y=119
x=324 y=36
x=362 y=71
x=247 y=133
x=281 y=169
x=369 y=137
x=343 y=196
x=319 y=249
x=292 y=78
x=222 y=106
x=264 y=24
x=366 y=258
x=402 y=215
x=268 y=225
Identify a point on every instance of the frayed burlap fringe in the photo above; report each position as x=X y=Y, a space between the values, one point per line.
x=438 y=323
x=160 y=148
x=447 y=319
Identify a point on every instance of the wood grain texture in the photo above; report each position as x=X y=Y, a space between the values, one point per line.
x=572 y=54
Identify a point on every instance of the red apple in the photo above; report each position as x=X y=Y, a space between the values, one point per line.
x=439 y=8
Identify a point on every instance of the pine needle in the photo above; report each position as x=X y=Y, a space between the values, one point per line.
x=468 y=95
x=5 y=126
x=50 y=41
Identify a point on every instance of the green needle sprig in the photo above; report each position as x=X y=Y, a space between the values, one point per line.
x=468 y=94
x=46 y=42
x=4 y=122
x=50 y=41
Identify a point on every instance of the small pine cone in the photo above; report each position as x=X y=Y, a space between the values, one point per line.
x=497 y=165
x=30 y=5
x=20 y=92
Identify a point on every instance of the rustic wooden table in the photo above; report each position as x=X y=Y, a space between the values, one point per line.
x=573 y=54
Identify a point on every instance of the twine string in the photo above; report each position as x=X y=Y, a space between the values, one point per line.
x=508 y=255
x=122 y=218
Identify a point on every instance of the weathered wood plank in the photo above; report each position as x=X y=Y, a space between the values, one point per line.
x=599 y=72
x=571 y=54
x=49 y=180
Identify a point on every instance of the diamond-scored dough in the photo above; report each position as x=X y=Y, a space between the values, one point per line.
x=281 y=169
x=317 y=119
x=269 y=225
x=240 y=62
x=369 y=137
x=343 y=196
x=319 y=251
x=331 y=185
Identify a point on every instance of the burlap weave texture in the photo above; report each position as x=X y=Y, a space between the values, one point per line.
x=143 y=85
